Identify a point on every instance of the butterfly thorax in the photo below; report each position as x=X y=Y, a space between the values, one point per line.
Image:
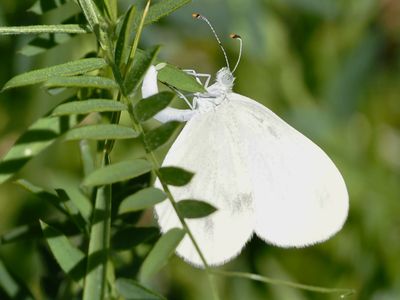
x=217 y=92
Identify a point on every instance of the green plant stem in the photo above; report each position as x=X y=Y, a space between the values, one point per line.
x=38 y=29
x=343 y=292
x=99 y=244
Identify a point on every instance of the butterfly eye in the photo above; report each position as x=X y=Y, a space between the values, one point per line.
x=227 y=79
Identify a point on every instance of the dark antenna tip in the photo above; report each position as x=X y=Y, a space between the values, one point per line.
x=235 y=36
x=196 y=16
x=239 y=38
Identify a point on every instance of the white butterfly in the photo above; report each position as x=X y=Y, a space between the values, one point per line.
x=262 y=175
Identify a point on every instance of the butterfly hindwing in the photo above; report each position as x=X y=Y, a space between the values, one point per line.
x=300 y=197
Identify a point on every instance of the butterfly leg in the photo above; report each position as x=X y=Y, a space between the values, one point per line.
x=182 y=96
x=198 y=76
x=150 y=88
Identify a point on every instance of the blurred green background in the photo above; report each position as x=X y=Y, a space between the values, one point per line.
x=330 y=68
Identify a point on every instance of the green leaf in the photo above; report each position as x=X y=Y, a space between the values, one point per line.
x=161 y=252
x=192 y=209
x=91 y=12
x=142 y=61
x=159 y=136
x=124 y=38
x=149 y=107
x=81 y=202
x=96 y=22
x=123 y=170
x=175 y=176
x=111 y=7
x=73 y=211
x=88 y=106
x=11 y=286
x=42 y=6
x=37 y=138
x=163 y=8
x=38 y=29
x=60 y=201
x=143 y=199
x=70 y=259
x=101 y=132
x=131 y=290
x=179 y=79
x=129 y=237
x=70 y=68
x=44 y=195
x=83 y=81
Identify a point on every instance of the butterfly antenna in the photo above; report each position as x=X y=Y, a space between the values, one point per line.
x=200 y=17
x=239 y=38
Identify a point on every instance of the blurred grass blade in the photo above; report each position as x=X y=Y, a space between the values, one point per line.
x=42 y=194
x=44 y=42
x=11 y=286
x=175 y=176
x=129 y=237
x=117 y=172
x=179 y=79
x=20 y=233
x=68 y=69
x=159 y=136
x=83 y=81
x=192 y=209
x=101 y=132
x=99 y=244
x=122 y=47
x=33 y=232
x=38 y=137
x=343 y=91
x=38 y=29
x=88 y=159
x=42 y=6
x=88 y=106
x=138 y=69
x=131 y=290
x=324 y=9
x=161 y=252
x=138 y=34
x=69 y=258
x=149 y=107
x=143 y=199
x=73 y=211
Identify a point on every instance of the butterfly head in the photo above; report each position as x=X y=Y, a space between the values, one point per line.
x=225 y=78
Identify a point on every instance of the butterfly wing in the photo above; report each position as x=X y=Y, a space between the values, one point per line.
x=300 y=197
x=207 y=147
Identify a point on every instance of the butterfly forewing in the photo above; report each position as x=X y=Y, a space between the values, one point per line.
x=207 y=147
